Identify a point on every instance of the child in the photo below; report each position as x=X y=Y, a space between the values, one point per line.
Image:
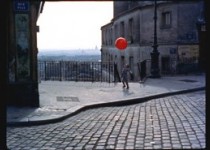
x=124 y=76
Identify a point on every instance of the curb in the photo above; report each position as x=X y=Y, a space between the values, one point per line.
x=108 y=104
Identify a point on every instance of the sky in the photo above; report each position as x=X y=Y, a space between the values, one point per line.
x=72 y=25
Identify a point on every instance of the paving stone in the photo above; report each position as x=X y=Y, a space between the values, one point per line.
x=98 y=128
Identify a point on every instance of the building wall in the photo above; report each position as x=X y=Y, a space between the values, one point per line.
x=4 y=28
x=180 y=31
x=188 y=14
x=119 y=7
x=22 y=54
x=125 y=19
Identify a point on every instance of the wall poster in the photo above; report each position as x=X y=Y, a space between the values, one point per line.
x=188 y=52
x=22 y=47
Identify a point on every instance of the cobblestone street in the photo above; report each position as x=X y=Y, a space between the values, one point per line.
x=176 y=122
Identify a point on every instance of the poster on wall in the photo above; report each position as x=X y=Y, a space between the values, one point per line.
x=22 y=46
x=188 y=51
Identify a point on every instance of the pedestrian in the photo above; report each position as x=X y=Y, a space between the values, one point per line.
x=124 y=76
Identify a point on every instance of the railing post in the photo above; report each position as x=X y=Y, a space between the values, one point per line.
x=76 y=70
x=92 y=71
x=101 y=70
x=142 y=69
x=60 y=70
x=109 y=71
x=45 y=70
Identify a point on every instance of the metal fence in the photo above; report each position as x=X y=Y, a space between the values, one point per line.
x=107 y=71
x=76 y=71
x=188 y=65
x=173 y=67
x=144 y=68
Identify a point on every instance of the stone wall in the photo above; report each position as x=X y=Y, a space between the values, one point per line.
x=180 y=31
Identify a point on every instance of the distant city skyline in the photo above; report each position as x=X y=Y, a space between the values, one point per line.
x=72 y=25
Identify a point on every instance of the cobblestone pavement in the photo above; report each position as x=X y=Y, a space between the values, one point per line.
x=175 y=122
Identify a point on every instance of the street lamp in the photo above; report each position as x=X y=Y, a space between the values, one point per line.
x=155 y=72
x=201 y=27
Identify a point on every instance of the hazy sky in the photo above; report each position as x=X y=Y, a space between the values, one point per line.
x=73 y=25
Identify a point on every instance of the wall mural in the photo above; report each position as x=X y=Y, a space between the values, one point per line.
x=22 y=47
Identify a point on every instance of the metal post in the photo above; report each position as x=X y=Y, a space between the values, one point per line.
x=155 y=72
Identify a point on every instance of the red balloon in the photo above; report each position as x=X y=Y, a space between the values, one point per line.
x=121 y=43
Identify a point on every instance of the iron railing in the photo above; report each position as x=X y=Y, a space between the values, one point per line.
x=76 y=71
x=107 y=71
x=173 y=67
x=188 y=65
x=144 y=69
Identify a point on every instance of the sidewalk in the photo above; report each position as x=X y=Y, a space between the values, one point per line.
x=59 y=99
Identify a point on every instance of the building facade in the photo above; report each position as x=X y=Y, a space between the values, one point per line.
x=21 y=52
x=177 y=33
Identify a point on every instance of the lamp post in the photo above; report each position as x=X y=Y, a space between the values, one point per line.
x=155 y=72
x=201 y=27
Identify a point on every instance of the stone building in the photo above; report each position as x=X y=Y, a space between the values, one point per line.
x=177 y=33
x=19 y=51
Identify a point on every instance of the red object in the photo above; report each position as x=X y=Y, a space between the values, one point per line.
x=121 y=43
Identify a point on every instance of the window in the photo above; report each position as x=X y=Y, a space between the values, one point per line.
x=111 y=36
x=103 y=36
x=166 y=19
x=106 y=37
x=116 y=31
x=130 y=31
x=122 y=29
x=131 y=63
